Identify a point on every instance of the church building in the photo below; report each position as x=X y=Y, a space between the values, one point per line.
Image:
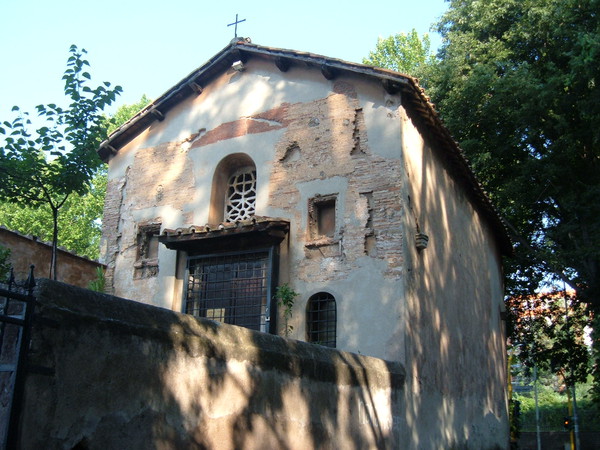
x=266 y=168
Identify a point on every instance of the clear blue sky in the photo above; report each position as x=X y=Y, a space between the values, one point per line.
x=147 y=46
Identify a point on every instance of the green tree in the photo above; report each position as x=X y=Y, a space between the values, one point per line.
x=517 y=84
x=79 y=224
x=47 y=166
x=126 y=112
x=402 y=52
x=548 y=331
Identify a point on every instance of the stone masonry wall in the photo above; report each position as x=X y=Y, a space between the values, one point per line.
x=327 y=139
x=26 y=250
x=128 y=375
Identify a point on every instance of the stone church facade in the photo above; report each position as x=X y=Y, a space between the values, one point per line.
x=267 y=166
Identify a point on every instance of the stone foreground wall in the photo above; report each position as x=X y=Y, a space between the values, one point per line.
x=129 y=375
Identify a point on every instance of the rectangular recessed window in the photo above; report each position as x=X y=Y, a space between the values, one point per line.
x=148 y=243
x=326 y=218
x=146 y=264
x=322 y=217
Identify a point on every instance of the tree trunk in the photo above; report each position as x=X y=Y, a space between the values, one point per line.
x=53 y=270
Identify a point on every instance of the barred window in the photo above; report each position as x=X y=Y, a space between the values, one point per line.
x=240 y=203
x=321 y=319
x=230 y=288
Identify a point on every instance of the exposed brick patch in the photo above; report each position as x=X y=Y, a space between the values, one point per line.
x=278 y=114
x=359 y=134
x=336 y=145
x=110 y=228
x=161 y=176
x=270 y=120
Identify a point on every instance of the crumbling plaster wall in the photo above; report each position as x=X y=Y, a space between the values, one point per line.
x=455 y=341
x=307 y=136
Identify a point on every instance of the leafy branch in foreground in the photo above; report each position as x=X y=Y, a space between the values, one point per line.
x=58 y=159
x=285 y=296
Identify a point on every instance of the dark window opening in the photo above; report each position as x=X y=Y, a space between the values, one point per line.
x=146 y=264
x=231 y=288
x=148 y=244
x=322 y=217
x=321 y=319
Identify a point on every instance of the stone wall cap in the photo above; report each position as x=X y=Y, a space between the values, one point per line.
x=70 y=306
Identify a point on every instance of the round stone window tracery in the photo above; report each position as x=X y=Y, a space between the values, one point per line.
x=240 y=202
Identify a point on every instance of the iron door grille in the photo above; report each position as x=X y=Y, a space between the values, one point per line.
x=231 y=288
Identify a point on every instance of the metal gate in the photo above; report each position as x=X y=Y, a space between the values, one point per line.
x=16 y=312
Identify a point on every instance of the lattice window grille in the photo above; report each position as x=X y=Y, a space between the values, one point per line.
x=240 y=203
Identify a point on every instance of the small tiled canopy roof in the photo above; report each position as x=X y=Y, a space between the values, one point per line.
x=255 y=231
x=413 y=98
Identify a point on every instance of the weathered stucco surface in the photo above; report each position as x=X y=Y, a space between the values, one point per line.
x=436 y=311
x=128 y=375
x=307 y=137
x=455 y=343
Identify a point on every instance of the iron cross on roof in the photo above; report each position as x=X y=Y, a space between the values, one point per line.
x=236 y=24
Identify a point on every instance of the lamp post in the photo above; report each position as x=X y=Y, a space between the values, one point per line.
x=574 y=433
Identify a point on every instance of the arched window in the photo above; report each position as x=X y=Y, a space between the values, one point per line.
x=321 y=319
x=233 y=196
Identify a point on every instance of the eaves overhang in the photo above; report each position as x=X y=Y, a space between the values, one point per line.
x=241 y=50
x=414 y=99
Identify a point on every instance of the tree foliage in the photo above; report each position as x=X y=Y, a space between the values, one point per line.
x=403 y=52
x=124 y=113
x=548 y=331
x=58 y=159
x=79 y=223
x=552 y=404
x=517 y=85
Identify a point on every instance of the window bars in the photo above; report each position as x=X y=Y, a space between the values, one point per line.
x=230 y=288
x=321 y=319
